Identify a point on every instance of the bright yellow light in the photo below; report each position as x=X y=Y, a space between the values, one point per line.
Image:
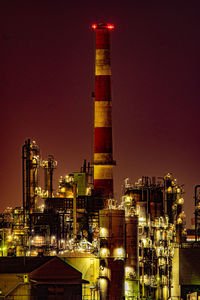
x=165 y=292
x=88 y=191
x=158 y=278
x=169 y=190
x=146 y=243
x=129 y=271
x=104 y=252
x=128 y=199
x=180 y=201
x=9 y=238
x=34 y=253
x=179 y=220
x=119 y=253
x=141 y=219
x=103 y=232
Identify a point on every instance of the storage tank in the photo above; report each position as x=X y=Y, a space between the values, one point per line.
x=112 y=253
x=131 y=266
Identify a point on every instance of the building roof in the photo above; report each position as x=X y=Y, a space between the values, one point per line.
x=21 y=264
x=46 y=270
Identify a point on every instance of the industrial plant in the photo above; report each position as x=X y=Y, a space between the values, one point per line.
x=136 y=247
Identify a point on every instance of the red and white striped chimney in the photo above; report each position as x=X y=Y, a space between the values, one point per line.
x=103 y=152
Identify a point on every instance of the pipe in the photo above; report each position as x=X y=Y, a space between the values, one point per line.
x=74 y=213
x=195 y=198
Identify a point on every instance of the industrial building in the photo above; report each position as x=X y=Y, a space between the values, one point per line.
x=133 y=250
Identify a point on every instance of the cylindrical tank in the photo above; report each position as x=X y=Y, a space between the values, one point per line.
x=131 y=266
x=156 y=203
x=132 y=243
x=112 y=252
x=49 y=167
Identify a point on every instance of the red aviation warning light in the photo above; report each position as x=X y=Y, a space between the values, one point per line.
x=103 y=26
x=110 y=26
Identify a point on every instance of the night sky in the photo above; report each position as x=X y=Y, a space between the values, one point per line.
x=47 y=77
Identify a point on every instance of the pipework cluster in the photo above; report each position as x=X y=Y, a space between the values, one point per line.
x=158 y=205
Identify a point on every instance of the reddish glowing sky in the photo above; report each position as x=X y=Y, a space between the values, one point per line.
x=47 y=77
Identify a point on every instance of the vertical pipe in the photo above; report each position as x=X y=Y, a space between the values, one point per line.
x=49 y=167
x=103 y=156
x=23 y=176
x=196 y=212
x=74 y=212
x=28 y=175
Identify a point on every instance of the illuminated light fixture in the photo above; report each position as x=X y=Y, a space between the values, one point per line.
x=119 y=253
x=158 y=278
x=128 y=199
x=104 y=252
x=169 y=190
x=129 y=271
x=9 y=238
x=62 y=189
x=145 y=243
x=103 y=26
x=110 y=26
x=103 y=232
x=141 y=219
x=180 y=201
x=179 y=220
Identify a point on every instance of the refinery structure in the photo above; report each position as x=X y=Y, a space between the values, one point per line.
x=125 y=249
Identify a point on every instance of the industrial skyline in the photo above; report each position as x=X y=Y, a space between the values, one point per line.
x=46 y=82
x=136 y=247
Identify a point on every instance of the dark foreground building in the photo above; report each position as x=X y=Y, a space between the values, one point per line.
x=39 y=278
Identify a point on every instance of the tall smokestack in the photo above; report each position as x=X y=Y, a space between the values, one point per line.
x=103 y=154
